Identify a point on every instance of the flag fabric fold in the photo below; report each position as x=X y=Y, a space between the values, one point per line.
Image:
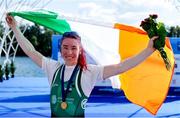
x=145 y=85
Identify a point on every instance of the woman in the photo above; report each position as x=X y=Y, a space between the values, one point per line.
x=72 y=82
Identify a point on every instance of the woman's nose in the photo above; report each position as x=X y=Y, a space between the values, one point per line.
x=69 y=51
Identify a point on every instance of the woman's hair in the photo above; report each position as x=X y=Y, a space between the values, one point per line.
x=82 y=58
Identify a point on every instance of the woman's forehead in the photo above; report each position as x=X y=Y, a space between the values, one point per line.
x=70 y=41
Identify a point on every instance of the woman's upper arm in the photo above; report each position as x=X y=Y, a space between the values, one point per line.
x=36 y=57
x=49 y=66
x=112 y=70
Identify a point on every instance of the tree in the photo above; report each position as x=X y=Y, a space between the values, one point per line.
x=1 y=73
x=173 y=31
x=40 y=38
x=45 y=42
x=1 y=29
x=177 y=31
x=7 y=71
x=12 y=68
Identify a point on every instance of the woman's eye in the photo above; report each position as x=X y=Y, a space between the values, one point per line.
x=65 y=48
x=74 y=48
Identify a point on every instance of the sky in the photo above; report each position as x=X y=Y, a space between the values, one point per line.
x=130 y=12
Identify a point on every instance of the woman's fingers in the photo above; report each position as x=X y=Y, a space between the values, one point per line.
x=9 y=19
x=154 y=38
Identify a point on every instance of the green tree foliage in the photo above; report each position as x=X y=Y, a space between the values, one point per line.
x=173 y=31
x=7 y=70
x=40 y=38
x=12 y=68
x=1 y=73
x=44 y=45
x=1 y=29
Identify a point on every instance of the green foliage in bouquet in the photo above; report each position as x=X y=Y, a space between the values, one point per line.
x=154 y=28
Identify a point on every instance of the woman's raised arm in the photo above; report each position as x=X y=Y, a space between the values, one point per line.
x=26 y=46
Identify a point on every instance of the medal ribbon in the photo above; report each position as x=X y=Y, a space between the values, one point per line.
x=64 y=92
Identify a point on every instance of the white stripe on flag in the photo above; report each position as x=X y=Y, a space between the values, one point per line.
x=101 y=43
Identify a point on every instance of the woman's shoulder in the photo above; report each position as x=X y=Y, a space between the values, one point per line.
x=51 y=62
x=89 y=66
x=93 y=67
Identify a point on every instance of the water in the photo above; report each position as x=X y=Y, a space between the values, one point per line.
x=25 y=67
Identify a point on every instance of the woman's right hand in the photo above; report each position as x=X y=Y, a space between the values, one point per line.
x=11 y=21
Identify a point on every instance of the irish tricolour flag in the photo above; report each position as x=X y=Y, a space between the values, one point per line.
x=145 y=85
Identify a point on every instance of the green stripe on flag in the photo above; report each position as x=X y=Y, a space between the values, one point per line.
x=45 y=18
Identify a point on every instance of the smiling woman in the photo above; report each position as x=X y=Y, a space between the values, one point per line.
x=72 y=50
x=72 y=82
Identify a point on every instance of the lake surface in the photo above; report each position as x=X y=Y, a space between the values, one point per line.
x=25 y=67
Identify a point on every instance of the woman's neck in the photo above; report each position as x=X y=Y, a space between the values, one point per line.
x=70 y=64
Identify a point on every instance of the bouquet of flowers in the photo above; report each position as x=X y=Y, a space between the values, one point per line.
x=154 y=28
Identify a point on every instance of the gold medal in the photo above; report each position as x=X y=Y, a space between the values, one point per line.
x=63 y=105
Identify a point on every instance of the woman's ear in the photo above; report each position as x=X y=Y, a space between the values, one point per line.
x=80 y=49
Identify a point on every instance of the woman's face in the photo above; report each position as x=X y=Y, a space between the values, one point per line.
x=70 y=49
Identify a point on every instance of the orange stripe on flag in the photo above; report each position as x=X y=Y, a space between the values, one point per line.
x=129 y=28
x=144 y=85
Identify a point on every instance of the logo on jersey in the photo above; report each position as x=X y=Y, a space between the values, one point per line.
x=83 y=103
x=54 y=99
